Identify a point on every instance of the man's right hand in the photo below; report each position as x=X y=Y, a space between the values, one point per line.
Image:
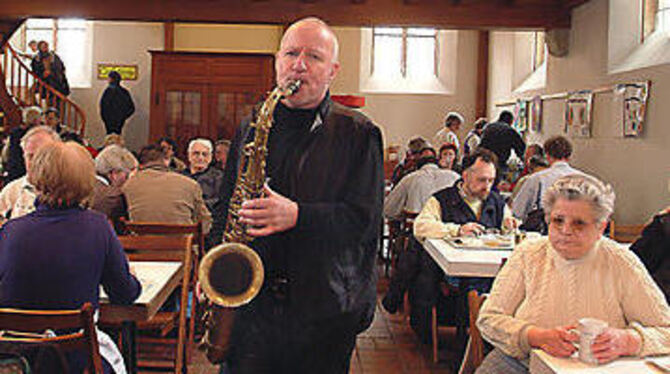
x=557 y=341
x=469 y=229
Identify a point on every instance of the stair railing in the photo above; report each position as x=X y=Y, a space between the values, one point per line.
x=28 y=89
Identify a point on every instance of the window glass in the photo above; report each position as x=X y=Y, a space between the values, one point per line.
x=387 y=54
x=663 y=15
x=421 y=56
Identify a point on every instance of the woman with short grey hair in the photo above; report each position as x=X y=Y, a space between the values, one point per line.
x=113 y=167
x=598 y=195
x=549 y=283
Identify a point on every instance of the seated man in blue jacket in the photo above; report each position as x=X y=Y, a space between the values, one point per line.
x=468 y=207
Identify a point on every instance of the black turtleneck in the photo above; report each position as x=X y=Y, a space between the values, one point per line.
x=289 y=137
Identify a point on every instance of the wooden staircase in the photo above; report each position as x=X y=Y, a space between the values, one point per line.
x=20 y=87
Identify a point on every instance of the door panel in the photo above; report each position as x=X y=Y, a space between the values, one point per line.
x=209 y=97
x=185 y=114
x=231 y=108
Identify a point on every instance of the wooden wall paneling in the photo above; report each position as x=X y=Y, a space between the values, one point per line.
x=481 y=100
x=227 y=82
x=527 y=14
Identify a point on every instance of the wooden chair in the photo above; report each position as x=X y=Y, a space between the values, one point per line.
x=27 y=327
x=162 y=228
x=625 y=233
x=399 y=235
x=446 y=291
x=167 y=248
x=474 y=350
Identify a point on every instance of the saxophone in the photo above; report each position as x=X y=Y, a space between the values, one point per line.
x=231 y=274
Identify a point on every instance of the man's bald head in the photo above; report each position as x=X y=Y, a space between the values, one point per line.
x=314 y=22
x=307 y=53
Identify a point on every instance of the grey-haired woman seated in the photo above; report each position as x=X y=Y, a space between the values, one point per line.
x=548 y=284
x=58 y=256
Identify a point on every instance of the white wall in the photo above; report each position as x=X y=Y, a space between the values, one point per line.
x=639 y=169
x=121 y=43
x=402 y=116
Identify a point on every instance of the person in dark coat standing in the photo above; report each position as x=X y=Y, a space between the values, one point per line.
x=501 y=138
x=116 y=105
x=317 y=227
x=50 y=68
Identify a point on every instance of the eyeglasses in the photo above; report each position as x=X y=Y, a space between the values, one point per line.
x=575 y=225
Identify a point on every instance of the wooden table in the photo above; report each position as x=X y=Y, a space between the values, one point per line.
x=544 y=363
x=466 y=262
x=159 y=280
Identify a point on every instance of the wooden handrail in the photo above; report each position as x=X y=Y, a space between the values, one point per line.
x=25 y=86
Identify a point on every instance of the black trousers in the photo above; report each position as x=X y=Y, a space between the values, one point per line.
x=270 y=339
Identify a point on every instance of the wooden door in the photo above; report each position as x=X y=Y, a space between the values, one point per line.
x=231 y=106
x=184 y=109
x=204 y=94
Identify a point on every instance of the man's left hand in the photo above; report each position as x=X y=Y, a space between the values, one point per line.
x=269 y=214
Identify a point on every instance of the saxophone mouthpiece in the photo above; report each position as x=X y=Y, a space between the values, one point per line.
x=292 y=87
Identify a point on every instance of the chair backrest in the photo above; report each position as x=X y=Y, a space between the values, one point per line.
x=26 y=327
x=157 y=247
x=474 y=353
x=162 y=228
x=407 y=223
x=625 y=233
x=168 y=248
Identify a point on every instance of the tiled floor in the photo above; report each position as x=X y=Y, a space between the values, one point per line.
x=389 y=346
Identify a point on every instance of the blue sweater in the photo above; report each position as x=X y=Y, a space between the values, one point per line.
x=58 y=258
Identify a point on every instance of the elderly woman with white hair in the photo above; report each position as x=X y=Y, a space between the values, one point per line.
x=113 y=166
x=548 y=284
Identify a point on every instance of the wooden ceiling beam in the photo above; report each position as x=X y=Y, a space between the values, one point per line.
x=569 y=4
x=503 y=14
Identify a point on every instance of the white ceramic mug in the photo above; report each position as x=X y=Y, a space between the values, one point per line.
x=589 y=329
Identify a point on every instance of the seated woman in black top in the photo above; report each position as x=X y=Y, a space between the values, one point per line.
x=58 y=256
x=653 y=248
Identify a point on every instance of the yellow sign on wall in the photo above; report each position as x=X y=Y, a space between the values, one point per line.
x=128 y=72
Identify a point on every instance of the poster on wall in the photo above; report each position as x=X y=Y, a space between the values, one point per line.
x=127 y=72
x=631 y=100
x=521 y=116
x=535 y=117
x=578 y=113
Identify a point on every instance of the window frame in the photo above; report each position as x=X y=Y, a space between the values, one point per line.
x=405 y=35
x=66 y=25
x=539 y=55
